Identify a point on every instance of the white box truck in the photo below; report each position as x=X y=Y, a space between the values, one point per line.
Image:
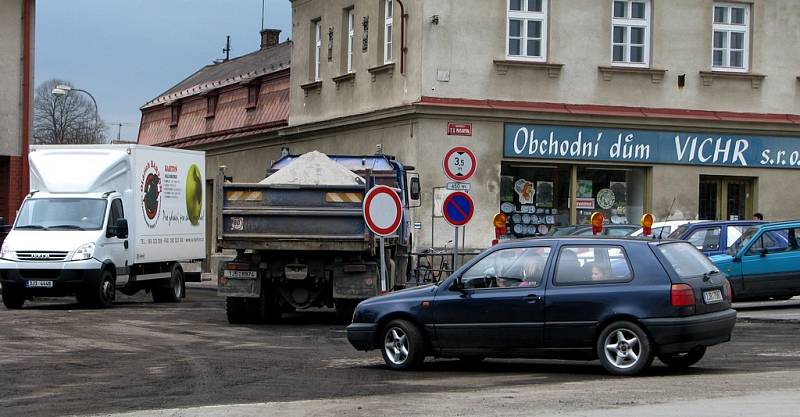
x=101 y=218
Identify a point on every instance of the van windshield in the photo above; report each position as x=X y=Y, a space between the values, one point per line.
x=62 y=214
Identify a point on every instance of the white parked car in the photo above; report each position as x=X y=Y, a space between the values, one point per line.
x=663 y=229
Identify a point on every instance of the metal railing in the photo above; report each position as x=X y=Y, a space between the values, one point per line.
x=435 y=265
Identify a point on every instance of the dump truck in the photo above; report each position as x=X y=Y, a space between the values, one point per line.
x=301 y=241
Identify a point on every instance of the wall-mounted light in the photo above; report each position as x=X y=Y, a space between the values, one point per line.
x=435 y=19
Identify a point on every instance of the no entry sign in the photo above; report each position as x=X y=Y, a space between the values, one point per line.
x=382 y=210
x=458 y=208
x=459 y=163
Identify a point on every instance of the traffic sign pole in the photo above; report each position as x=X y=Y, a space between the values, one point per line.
x=384 y=284
x=455 y=250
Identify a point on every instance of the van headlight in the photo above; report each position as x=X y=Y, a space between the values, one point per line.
x=8 y=254
x=84 y=252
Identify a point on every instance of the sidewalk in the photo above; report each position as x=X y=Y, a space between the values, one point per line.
x=788 y=310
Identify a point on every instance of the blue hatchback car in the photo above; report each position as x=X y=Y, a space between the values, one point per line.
x=764 y=262
x=623 y=301
x=713 y=237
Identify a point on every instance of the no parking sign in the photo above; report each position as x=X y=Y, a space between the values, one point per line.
x=458 y=208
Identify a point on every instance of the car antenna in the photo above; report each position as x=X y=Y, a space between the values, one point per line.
x=669 y=214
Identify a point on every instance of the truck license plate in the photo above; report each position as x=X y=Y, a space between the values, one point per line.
x=38 y=284
x=711 y=297
x=240 y=274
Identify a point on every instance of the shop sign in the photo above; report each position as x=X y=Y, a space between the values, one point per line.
x=584 y=203
x=458 y=186
x=649 y=146
x=459 y=129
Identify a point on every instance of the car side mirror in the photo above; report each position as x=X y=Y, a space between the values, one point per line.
x=763 y=252
x=121 y=229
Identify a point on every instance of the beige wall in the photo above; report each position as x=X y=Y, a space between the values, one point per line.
x=363 y=94
x=579 y=34
x=11 y=77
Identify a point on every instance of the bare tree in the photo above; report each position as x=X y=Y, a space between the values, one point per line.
x=65 y=119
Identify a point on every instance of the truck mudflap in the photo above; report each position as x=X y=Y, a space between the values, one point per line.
x=357 y=282
x=238 y=283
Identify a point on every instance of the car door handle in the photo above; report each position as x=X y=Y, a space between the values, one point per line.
x=532 y=298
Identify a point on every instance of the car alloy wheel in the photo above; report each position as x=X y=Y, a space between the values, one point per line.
x=403 y=345
x=624 y=348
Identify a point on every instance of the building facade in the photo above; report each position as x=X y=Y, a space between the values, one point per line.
x=683 y=108
x=16 y=75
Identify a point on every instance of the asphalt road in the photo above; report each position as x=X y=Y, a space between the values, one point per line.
x=185 y=359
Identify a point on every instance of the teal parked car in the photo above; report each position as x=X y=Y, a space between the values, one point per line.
x=764 y=262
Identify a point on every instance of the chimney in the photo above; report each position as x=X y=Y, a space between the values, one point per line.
x=269 y=38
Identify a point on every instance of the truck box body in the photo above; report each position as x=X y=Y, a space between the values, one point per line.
x=153 y=182
x=101 y=218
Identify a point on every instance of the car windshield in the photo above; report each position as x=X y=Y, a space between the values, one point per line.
x=686 y=260
x=742 y=241
x=62 y=213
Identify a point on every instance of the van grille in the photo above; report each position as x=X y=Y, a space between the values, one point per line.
x=35 y=256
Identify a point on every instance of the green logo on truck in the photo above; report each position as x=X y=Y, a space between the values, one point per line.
x=194 y=194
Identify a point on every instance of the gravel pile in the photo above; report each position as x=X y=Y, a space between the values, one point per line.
x=314 y=168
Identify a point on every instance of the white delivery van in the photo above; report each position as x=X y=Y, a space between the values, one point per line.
x=101 y=218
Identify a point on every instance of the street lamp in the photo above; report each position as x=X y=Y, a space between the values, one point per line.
x=64 y=90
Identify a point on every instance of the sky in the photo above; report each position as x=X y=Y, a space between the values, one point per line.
x=127 y=52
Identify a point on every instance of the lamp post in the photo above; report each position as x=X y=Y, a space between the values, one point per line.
x=64 y=90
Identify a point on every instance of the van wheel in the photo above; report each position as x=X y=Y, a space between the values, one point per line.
x=403 y=345
x=173 y=293
x=101 y=295
x=683 y=360
x=13 y=299
x=624 y=348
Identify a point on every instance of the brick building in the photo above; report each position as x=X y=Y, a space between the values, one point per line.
x=16 y=77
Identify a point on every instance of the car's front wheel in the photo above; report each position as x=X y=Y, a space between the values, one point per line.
x=684 y=359
x=403 y=345
x=624 y=348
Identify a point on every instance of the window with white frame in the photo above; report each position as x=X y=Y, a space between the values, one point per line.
x=351 y=30
x=527 y=30
x=317 y=48
x=630 y=34
x=731 y=37
x=388 y=19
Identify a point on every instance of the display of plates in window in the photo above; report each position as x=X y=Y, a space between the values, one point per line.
x=543 y=229
x=535 y=219
x=507 y=208
x=519 y=229
x=531 y=229
x=550 y=219
x=516 y=218
x=526 y=218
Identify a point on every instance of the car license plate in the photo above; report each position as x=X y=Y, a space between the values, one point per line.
x=240 y=274
x=711 y=297
x=38 y=284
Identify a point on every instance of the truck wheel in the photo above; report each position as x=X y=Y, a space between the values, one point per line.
x=173 y=293
x=236 y=309
x=100 y=295
x=13 y=299
x=270 y=309
x=344 y=310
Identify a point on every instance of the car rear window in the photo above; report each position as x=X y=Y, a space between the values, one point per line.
x=686 y=260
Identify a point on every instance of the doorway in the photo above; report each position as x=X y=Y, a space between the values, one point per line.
x=725 y=198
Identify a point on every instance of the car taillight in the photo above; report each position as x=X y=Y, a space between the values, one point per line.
x=728 y=291
x=682 y=295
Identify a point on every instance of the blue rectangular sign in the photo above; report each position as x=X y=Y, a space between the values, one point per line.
x=650 y=147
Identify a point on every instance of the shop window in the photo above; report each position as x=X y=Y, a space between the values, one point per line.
x=723 y=198
x=535 y=198
x=618 y=193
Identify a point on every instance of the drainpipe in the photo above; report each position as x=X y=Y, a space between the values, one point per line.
x=29 y=7
x=403 y=49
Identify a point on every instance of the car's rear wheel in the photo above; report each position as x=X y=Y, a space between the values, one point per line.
x=624 y=348
x=403 y=345
x=684 y=359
